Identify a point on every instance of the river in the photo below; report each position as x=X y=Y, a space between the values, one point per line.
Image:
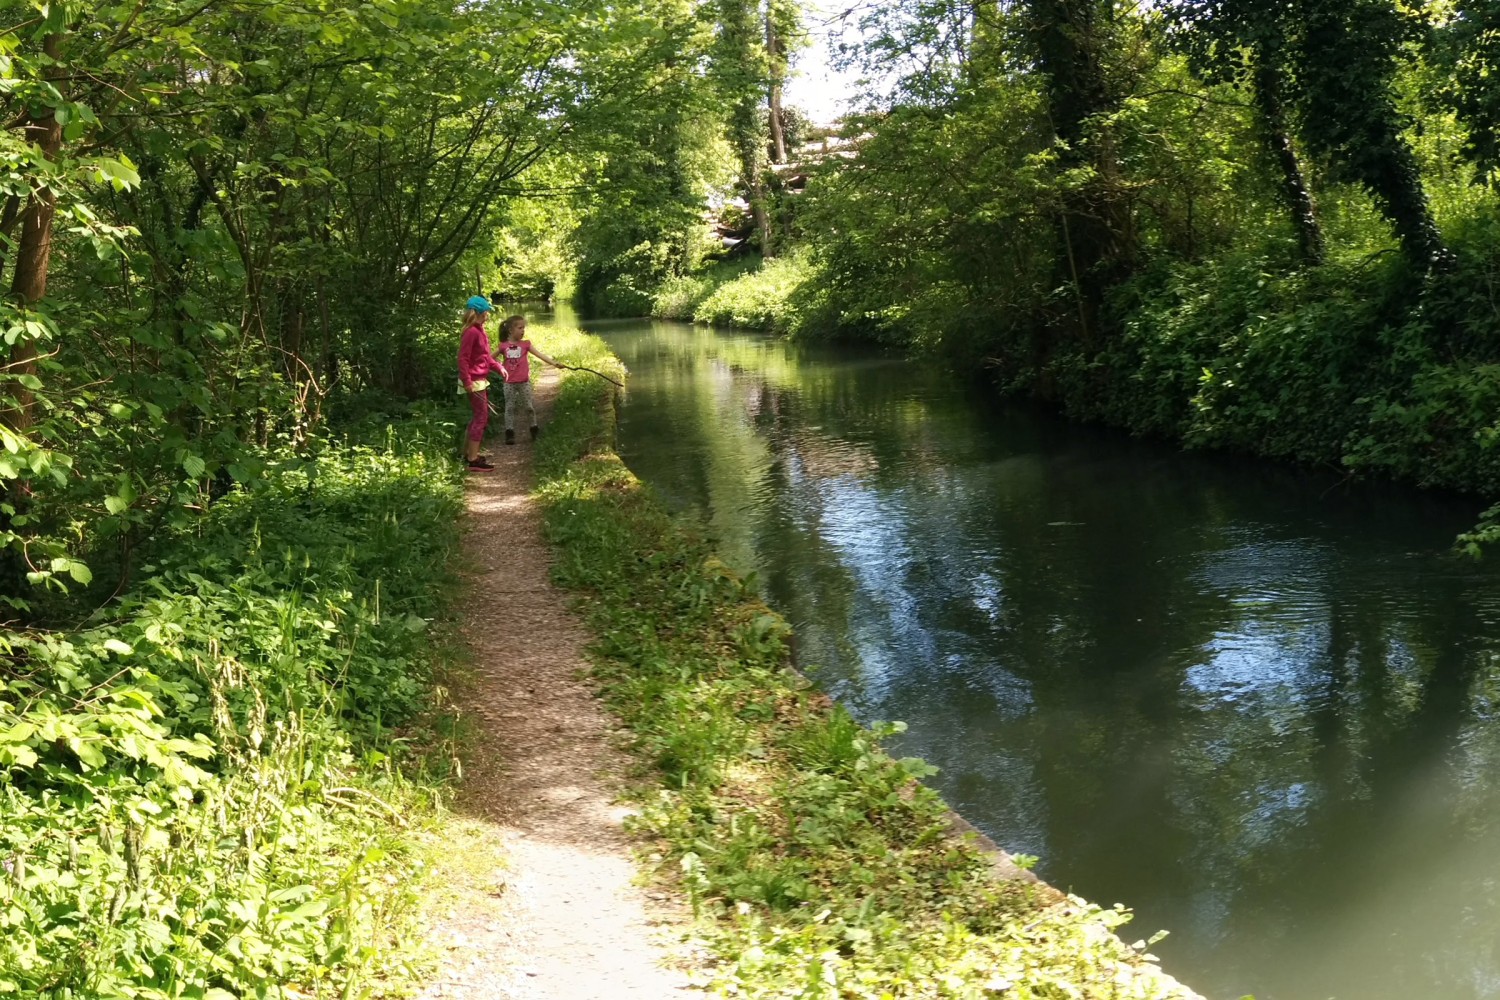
x=1253 y=703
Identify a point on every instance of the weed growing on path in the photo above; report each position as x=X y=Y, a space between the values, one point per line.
x=821 y=866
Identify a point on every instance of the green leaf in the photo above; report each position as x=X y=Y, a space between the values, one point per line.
x=194 y=466
x=18 y=756
x=115 y=505
x=89 y=755
x=78 y=571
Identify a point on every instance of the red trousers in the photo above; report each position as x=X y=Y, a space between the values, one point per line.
x=479 y=403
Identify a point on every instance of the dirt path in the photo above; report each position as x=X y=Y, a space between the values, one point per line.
x=566 y=923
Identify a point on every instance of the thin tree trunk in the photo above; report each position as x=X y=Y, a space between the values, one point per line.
x=750 y=144
x=34 y=250
x=755 y=188
x=778 y=75
x=8 y=219
x=1299 y=197
x=1096 y=233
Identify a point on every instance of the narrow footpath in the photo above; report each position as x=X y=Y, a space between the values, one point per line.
x=564 y=920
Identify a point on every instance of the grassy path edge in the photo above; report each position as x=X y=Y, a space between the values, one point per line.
x=819 y=865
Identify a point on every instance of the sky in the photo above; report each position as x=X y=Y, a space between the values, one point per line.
x=816 y=87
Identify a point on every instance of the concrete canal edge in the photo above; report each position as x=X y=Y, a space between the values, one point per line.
x=1145 y=976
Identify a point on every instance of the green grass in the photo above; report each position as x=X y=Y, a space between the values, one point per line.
x=819 y=865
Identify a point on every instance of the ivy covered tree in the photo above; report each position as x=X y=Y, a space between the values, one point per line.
x=742 y=72
x=1247 y=44
x=1345 y=63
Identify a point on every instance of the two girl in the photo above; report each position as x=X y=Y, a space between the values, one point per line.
x=476 y=364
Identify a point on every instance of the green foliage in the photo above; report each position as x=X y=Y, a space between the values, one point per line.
x=1237 y=355
x=750 y=292
x=642 y=209
x=820 y=865
x=247 y=212
x=200 y=786
x=1468 y=48
x=1255 y=168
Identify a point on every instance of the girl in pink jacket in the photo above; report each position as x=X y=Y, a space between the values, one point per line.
x=475 y=364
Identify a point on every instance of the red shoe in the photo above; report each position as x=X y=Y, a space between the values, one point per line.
x=480 y=465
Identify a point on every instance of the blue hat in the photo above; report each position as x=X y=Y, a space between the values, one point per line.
x=480 y=304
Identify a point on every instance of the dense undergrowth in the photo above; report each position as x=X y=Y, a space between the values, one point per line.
x=820 y=865
x=202 y=786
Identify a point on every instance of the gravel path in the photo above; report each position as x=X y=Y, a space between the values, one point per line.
x=567 y=924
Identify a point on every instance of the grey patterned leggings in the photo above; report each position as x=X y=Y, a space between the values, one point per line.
x=518 y=394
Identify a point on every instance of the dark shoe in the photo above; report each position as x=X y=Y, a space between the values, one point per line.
x=510 y=437
x=535 y=430
x=480 y=465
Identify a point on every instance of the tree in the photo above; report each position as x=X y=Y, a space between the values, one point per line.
x=1245 y=43
x=741 y=70
x=782 y=24
x=1469 y=50
x=1346 y=59
x=1072 y=43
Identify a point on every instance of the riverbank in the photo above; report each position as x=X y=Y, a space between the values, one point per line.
x=818 y=864
x=1228 y=356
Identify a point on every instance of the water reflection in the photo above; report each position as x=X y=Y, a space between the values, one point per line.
x=1254 y=705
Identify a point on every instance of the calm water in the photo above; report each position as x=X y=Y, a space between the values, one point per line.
x=1253 y=704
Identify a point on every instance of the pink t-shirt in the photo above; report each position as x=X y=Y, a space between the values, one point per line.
x=514 y=358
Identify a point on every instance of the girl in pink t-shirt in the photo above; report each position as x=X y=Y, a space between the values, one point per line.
x=516 y=365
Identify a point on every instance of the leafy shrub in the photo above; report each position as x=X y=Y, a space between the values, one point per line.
x=197 y=785
x=680 y=297
x=752 y=293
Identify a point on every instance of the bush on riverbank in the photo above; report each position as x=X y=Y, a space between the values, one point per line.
x=774 y=295
x=820 y=865
x=203 y=790
x=1364 y=367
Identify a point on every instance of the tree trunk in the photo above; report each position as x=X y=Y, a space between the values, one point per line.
x=34 y=249
x=1299 y=198
x=1096 y=235
x=778 y=76
x=1346 y=69
x=1394 y=178
x=749 y=142
x=8 y=219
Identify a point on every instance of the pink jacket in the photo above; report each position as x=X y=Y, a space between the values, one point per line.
x=475 y=361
